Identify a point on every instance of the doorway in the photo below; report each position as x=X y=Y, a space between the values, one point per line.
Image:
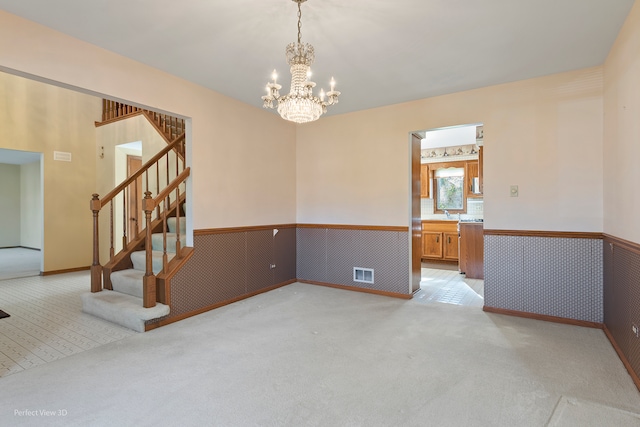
x=134 y=197
x=442 y=273
x=22 y=213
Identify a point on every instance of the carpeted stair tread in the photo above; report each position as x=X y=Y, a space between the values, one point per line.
x=139 y=260
x=122 y=309
x=128 y=282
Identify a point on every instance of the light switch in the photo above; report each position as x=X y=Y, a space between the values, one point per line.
x=514 y=191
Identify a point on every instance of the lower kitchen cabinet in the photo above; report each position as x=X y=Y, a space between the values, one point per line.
x=450 y=241
x=440 y=240
x=431 y=244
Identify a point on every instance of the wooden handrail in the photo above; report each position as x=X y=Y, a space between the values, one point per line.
x=106 y=199
x=169 y=188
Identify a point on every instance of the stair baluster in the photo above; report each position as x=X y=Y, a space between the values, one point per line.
x=124 y=217
x=165 y=259
x=178 y=223
x=111 y=248
x=158 y=186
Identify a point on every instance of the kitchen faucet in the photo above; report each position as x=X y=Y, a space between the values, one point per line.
x=446 y=212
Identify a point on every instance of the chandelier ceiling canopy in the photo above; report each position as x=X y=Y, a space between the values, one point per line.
x=300 y=105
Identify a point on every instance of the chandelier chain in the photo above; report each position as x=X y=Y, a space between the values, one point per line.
x=299 y=22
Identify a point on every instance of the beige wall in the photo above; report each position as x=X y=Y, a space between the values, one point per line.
x=45 y=118
x=242 y=174
x=544 y=135
x=622 y=132
x=9 y=205
x=31 y=205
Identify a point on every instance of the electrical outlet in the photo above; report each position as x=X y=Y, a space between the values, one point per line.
x=513 y=191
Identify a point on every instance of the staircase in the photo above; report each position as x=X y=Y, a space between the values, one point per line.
x=133 y=286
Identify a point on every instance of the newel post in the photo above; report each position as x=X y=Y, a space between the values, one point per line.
x=149 y=280
x=96 y=268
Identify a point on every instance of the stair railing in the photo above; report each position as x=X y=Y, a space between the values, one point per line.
x=170 y=126
x=161 y=162
x=149 y=205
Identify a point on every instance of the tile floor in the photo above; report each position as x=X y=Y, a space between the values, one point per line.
x=47 y=322
x=443 y=284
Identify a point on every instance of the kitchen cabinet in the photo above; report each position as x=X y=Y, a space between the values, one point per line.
x=431 y=244
x=425 y=181
x=472 y=249
x=450 y=242
x=440 y=240
x=472 y=172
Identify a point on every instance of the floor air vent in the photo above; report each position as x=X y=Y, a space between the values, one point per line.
x=364 y=275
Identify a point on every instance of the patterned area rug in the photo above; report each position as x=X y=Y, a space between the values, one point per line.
x=3 y=314
x=571 y=411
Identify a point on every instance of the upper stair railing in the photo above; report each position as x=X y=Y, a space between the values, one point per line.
x=170 y=127
x=163 y=175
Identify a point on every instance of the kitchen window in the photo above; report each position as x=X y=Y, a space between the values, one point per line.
x=449 y=190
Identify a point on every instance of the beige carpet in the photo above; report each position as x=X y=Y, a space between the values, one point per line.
x=305 y=355
x=572 y=412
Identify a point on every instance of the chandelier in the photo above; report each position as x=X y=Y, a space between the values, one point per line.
x=300 y=105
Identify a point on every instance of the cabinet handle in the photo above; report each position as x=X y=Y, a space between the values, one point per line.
x=449 y=241
x=437 y=239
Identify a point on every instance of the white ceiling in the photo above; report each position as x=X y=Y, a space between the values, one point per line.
x=381 y=52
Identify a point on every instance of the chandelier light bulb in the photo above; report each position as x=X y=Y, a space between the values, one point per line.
x=300 y=105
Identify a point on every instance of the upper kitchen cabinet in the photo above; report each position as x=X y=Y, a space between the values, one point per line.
x=425 y=181
x=472 y=178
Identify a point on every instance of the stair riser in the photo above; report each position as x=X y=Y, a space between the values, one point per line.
x=157 y=242
x=124 y=310
x=171 y=223
x=140 y=263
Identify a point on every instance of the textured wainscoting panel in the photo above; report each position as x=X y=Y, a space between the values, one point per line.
x=216 y=272
x=259 y=259
x=596 y=305
x=332 y=253
x=285 y=255
x=559 y=277
x=225 y=266
x=387 y=253
x=311 y=247
x=342 y=247
x=503 y=272
x=622 y=298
